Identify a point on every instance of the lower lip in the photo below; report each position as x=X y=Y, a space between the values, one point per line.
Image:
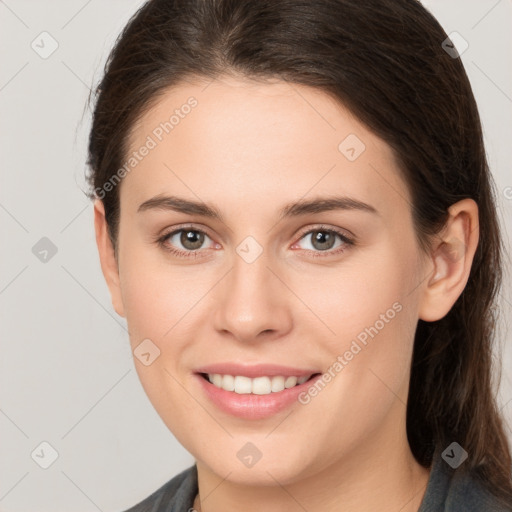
x=250 y=406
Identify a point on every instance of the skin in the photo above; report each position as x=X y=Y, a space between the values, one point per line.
x=249 y=148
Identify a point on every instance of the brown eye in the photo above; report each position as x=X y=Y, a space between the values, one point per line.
x=191 y=240
x=323 y=240
x=183 y=241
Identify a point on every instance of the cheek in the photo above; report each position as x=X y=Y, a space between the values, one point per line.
x=370 y=291
x=372 y=315
x=159 y=301
x=155 y=294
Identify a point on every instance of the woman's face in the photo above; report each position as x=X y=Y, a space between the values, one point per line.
x=266 y=288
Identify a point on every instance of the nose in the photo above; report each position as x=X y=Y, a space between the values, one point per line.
x=253 y=302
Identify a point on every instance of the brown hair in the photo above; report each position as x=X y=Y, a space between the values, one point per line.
x=384 y=60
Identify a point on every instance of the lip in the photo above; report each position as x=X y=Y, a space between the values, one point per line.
x=250 y=406
x=256 y=370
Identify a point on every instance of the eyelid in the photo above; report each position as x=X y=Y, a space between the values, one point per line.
x=182 y=227
x=162 y=237
x=343 y=233
x=346 y=241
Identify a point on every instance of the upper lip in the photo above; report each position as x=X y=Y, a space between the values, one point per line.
x=256 y=370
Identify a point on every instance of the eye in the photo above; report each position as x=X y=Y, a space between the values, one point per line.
x=323 y=240
x=190 y=238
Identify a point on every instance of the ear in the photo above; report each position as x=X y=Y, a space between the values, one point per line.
x=107 y=255
x=452 y=254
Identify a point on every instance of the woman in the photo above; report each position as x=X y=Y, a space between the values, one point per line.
x=294 y=213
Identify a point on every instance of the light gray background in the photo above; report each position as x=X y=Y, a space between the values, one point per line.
x=67 y=375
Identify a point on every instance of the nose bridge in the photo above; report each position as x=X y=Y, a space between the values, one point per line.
x=253 y=299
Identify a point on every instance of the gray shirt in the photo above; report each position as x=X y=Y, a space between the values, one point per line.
x=447 y=490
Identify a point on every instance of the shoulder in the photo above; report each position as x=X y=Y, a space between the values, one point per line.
x=176 y=495
x=454 y=490
x=469 y=491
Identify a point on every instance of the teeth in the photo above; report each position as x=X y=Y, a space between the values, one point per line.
x=290 y=382
x=257 y=386
x=243 y=385
x=277 y=384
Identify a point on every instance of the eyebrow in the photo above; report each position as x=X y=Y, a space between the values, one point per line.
x=295 y=209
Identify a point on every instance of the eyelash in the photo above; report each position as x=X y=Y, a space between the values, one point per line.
x=347 y=242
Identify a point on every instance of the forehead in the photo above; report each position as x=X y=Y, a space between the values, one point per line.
x=233 y=141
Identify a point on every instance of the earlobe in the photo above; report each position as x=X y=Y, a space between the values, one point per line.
x=107 y=256
x=452 y=255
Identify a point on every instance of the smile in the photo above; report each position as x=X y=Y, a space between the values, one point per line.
x=256 y=386
x=255 y=398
